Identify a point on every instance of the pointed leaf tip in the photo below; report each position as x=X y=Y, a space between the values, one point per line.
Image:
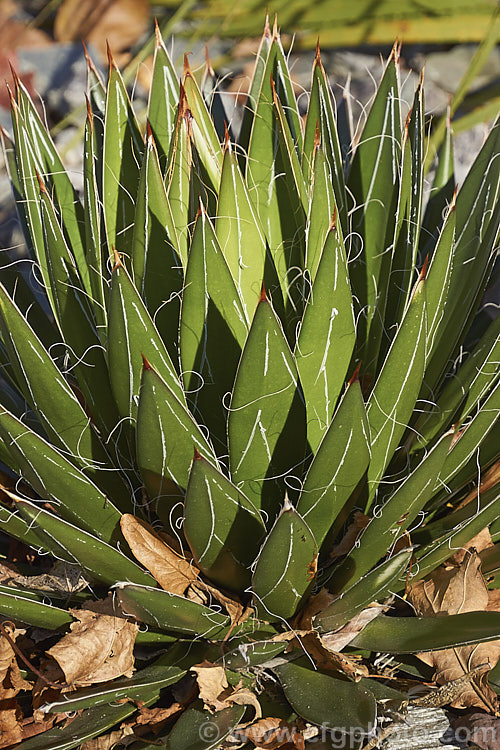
x=267 y=28
x=41 y=183
x=333 y=222
x=355 y=376
x=263 y=295
x=145 y=364
x=317 y=58
x=197 y=454
x=423 y=272
x=317 y=136
x=117 y=259
x=158 y=39
x=149 y=132
x=187 y=69
x=276 y=33
x=111 y=60
x=227 y=142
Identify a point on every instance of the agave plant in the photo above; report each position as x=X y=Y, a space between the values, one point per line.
x=241 y=345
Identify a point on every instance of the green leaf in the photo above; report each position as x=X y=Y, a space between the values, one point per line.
x=157 y=267
x=322 y=211
x=320 y=113
x=407 y=635
x=95 y=256
x=408 y=217
x=256 y=84
x=50 y=396
x=477 y=223
x=16 y=527
x=374 y=586
x=171 y=612
x=238 y=228
x=50 y=165
x=252 y=654
x=91 y=723
x=199 y=729
x=131 y=334
x=373 y=185
x=472 y=434
x=20 y=605
x=266 y=407
x=338 y=465
x=76 y=322
x=213 y=330
x=286 y=566
x=396 y=515
x=123 y=146
x=466 y=528
x=395 y=392
x=203 y=130
x=166 y=434
x=179 y=176
x=104 y=563
x=322 y=699
x=49 y=472
x=163 y=98
x=158 y=675
x=441 y=192
x=223 y=529
x=326 y=338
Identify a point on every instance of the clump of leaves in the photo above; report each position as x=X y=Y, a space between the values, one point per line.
x=263 y=406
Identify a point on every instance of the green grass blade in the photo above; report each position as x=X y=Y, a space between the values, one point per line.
x=338 y=465
x=326 y=337
x=223 y=529
x=266 y=397
x=286 y=566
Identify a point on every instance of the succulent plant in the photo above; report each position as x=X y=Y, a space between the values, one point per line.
x=249 y=393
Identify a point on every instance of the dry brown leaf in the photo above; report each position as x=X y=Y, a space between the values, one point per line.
x=154 y=719
x=480 y=542
x=330 y=659
x=359 y=522
x=119 y=22
x=11 y=730
x=482 y=730
x=172 y=571
x=272 y=733
x=212 y=681
x=453 y=590
x=315 y=605
x=341 y=638
x=8 y=571
x=245 y=697
x=110 y=740
x=99 y=646
x=11 y=683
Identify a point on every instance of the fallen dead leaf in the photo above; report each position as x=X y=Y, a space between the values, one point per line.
x=11 y=683
x=482 y=730
x=480 y=542
x=119 y=22
x=212 y=681
x=154 y=719
x=245 y=697
x=110 y=740
x=359 y=522
x=172 y=571
x=453 y=589
x=8 y=571
x=99 y=646
x=315 y=605
x=272 y=733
